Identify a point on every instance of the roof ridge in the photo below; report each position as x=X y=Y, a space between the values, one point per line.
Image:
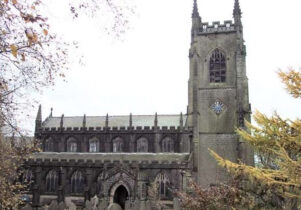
x=117 y=115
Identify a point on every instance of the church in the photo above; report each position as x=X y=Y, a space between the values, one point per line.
x=140 y=161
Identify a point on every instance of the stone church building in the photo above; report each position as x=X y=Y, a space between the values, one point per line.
x=117 y=159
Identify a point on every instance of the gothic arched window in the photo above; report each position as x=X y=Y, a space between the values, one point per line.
x=51 y=181
x=142 y=145
x=163 y=183
x=77 y=182
x=167 y=145
x=217 y=66
x=49 y=145
x=93 y=145
x=118 y=145
x=71 y=145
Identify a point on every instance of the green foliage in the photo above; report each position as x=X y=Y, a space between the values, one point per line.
x=278 y=144
x=276 y=183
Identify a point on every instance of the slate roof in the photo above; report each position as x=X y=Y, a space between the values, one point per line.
x=115 y=121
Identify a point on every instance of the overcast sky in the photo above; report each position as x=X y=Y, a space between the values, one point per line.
x=147 y=71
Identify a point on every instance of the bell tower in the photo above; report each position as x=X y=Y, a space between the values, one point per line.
x=218 y=98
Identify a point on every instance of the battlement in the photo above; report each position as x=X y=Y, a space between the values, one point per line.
x=217 y=27
x=114 y=129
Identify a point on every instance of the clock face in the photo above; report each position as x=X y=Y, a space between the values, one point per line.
x=217 y=107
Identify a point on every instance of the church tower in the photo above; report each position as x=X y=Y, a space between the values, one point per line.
x=218 y=98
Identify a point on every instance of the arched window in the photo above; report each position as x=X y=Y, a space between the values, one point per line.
x=217 y=66
x=71 y=145
x=49 y=145
x=93 y=145
x=163 y=183
x=118 y=145
x=51 y=181
x=167 y=145
x=27 y=177
x=142 y=145
x=77 y=182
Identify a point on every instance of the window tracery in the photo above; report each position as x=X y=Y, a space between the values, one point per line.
x=142 y=145
x=49 y=145
x=167 y=145
x=77 y=182
x=118 y=145
x=71 y=145
x=51 y=181
x=217 y=67
x=163 y=183
x=93 y=145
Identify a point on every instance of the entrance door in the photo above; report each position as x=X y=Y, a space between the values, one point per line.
x=120 y=196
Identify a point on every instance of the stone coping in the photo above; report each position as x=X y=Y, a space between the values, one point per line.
x=112 y=157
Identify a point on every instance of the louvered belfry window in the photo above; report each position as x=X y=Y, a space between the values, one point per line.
x=217 y=67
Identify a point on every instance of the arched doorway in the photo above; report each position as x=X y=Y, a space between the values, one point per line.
x=120 y=196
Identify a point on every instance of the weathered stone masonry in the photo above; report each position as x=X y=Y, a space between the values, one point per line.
x=117 y=158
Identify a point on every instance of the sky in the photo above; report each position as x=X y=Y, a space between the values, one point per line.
x=147 y=70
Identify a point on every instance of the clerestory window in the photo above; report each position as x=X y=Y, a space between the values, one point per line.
x=142 y=145
x=71 y=145
x=217 y=67
x=93 y=145
x=167 y=145
x=49 y=145
x=118 y=145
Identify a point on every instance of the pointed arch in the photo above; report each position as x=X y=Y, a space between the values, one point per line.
x=163 y=183
x=94 y=144
x=118 y=144
x=72 y=145
x=49 y=145
x=77 y=182
x=52 y=181
x=217 y=66
x=142 y=144
x=116 y=185
x=167 y=144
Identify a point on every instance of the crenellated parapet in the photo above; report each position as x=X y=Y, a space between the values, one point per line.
x=128 y=129
x=217 y=27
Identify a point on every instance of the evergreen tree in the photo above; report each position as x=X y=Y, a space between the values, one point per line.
x=277 y=143
x=275 y=181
